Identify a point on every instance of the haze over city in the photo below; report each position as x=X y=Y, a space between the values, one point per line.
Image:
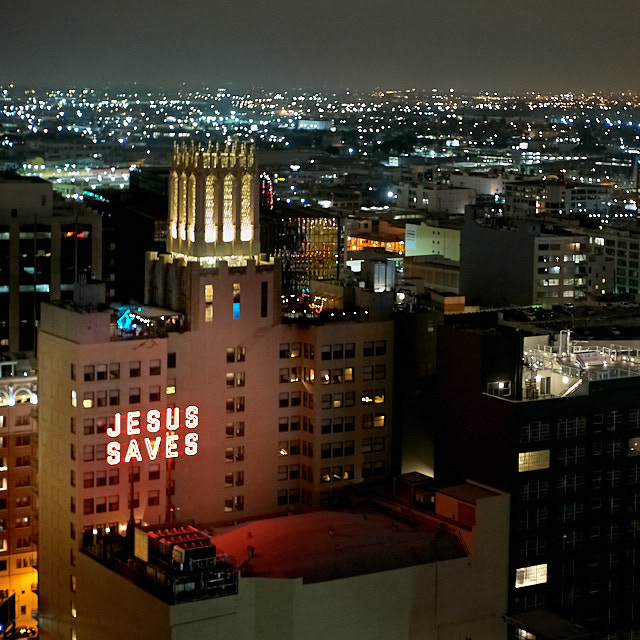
x=491 y=45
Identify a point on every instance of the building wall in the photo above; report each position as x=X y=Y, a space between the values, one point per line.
x=432 y=240
x=18 y=488
x=496 y=263
x=453 y=599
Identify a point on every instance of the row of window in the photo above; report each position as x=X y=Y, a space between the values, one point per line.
x=111 y=371
x=577 y=426
x=112 y=476
x=111 y=397
x=24 y=501
x=293 y=496
x=296 y=350
x=18 y=441
x=112 y=503
x=348 y=350
x=295 y=447
x=337 y=473
x=295 y=472
x=293 y=423
x=295 y=399
x=348 y=399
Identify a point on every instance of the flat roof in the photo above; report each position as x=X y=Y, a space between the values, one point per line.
x=331 y=545
x=470 y=493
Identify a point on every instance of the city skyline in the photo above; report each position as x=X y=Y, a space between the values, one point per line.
x=493 y=45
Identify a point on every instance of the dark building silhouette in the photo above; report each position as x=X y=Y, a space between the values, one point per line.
x=558 y=426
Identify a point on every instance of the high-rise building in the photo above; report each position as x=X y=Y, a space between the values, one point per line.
x=201 y=403
x=557 y=424
x=45 y=245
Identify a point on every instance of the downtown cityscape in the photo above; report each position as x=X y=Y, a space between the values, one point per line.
x=320 y=320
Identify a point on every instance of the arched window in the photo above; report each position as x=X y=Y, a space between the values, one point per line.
x=228 y=231
x=246 y=231
x=209 y=210
x=191 y=221
x=173 y=215
x=182 y=214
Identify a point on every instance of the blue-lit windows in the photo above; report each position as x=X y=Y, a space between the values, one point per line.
x=236 y=300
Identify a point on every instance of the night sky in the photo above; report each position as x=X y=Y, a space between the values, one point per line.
x=493 y=45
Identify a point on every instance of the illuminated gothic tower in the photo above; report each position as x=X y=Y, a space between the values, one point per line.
x=213 y=200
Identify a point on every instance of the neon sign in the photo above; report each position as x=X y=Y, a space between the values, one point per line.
x=135 y=423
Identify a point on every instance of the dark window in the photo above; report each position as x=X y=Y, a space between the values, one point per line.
x=264 y=299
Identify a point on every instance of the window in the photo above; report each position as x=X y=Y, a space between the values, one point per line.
x=134 y=369
x=101 y=505
x=101 y=398
x=114 y=503
x=208 y=303
x=87 y=401
x=264 y=299
x=134 y=395
x=114 y=370
x=236 y=300
x=154 y=368
x=284 y=350
x=88 y=506
x=88 y=480
x=101 y=372
x=527 y=576
x=171 y=360
x=89 y=373
x=367 y=349
x=349 y=350
x=283 y=400
x=231 y=354
x=114 y=397
x=381 y=347
x=284 y=375
x=101 y=478
x=153 y=499
x=533 y=460
x=325 y=352
x=154 y=471
x=154 y=394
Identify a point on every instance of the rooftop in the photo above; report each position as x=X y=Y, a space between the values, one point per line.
x=331 y=545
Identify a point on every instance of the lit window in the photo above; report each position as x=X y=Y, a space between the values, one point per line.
x=228 y=228
x=533 y=460
x=209 y=209
x=236 y=300
x=528 y=576
x=246 y=231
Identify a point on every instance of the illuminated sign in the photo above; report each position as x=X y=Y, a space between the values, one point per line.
x=136 y=423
